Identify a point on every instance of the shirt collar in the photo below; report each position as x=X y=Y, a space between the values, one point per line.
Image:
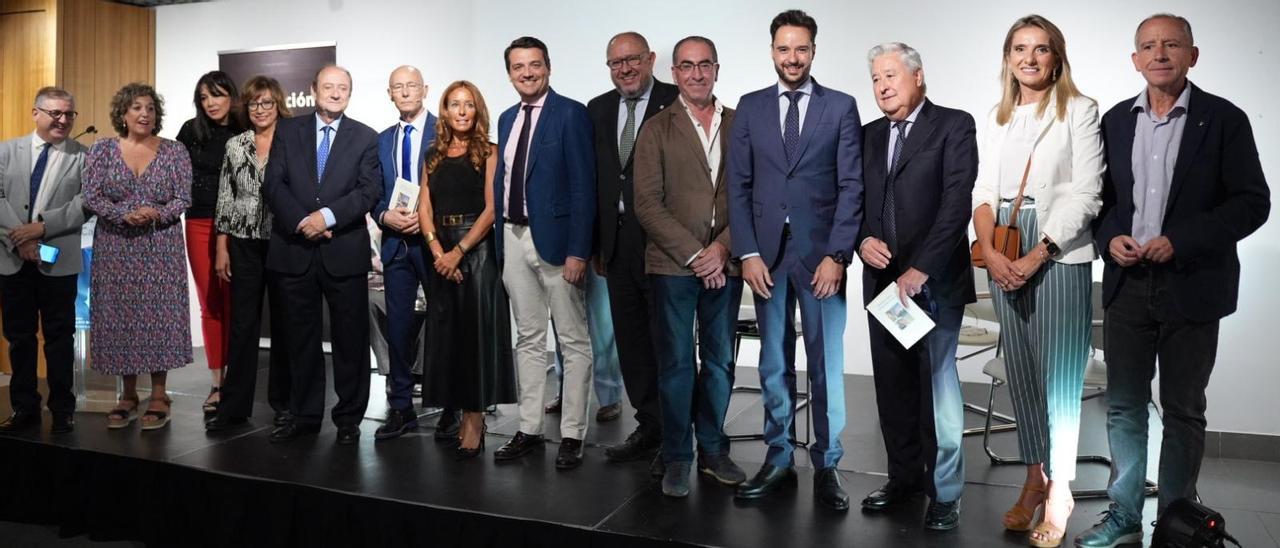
x=417 y=123
x=320 y=123
x=1143 y=102
x=714 y=100
x=540 y=102
x=805 y=89
x=643 y=96
x=36 y=141
x=911 y=118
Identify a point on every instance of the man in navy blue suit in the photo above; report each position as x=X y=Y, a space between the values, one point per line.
x=402 y=151
x=321 y=182
x=545 y=206
x=1183 y=185
x=795 y=207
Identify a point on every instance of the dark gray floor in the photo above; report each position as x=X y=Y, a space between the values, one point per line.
x=623 y=499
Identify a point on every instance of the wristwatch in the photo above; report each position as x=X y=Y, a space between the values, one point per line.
x=839 y=258
x=1051 y=247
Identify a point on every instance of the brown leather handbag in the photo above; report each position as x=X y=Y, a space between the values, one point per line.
x=1007 y=239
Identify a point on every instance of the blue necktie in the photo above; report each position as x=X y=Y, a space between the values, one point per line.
x=791 y=131
x=406 y=155
x=37 y=175
x=322 y=155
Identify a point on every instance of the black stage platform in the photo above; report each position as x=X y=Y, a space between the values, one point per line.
x=182 y=487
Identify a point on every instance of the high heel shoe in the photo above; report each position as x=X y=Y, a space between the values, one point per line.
x=1019 y=518
x=1050 y=535
x=462 y=453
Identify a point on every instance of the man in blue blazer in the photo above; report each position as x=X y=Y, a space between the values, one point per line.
x=1183 y=186
x=545 y=206
x=321 y=182
x=402 y=151
x=795 y=207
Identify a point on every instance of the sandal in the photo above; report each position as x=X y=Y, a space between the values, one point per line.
x=1019 y=518
x=120 y=416
x=210 y=404
x=1046 y=534
x=155 y=420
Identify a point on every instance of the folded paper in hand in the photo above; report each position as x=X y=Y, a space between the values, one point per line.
x=907 y=323
x=404 y=195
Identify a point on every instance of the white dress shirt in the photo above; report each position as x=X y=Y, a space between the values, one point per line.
x=509 y=152
x=415 y=150
x=56 y=154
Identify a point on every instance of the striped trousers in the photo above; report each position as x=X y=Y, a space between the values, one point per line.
x=1045 y=338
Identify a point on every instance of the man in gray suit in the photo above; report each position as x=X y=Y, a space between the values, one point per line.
x=40 y=207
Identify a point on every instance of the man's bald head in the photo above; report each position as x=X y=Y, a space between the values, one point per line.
x=406 y=89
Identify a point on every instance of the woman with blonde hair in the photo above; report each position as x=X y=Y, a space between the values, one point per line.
x=1040 y=167
x=468 y=351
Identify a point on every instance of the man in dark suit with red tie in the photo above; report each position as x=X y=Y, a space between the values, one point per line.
x=322 y=180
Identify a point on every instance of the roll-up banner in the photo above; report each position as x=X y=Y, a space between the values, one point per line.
x=294 y=66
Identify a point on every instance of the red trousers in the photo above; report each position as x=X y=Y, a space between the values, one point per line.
x=214 y=294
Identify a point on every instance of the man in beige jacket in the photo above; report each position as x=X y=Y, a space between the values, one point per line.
x=682 y=203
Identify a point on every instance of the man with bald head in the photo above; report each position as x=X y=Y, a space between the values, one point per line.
x=617 y=116
x=1183 y=186
x=321 y=182
x=402 y=151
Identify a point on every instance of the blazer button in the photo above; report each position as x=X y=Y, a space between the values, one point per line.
x=622 y=176
x=784 y=206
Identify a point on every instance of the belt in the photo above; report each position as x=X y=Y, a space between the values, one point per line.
x=457 y=220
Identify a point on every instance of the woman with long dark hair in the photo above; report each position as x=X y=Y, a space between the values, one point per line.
x=205 y=136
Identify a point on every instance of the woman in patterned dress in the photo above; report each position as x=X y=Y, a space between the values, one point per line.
x=243 y=222
x=138 y=185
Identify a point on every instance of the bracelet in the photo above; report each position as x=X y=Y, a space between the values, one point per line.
x=431 y=237
x=463 y=247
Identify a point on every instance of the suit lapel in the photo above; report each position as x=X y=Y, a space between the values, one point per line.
x=813 y=113
x=20 y=193
x=307 y=131
x=877 y=136
x=539 y=136
x=916 y=136
x=726 y=126
x=54 y=180
x=689 y=133
x=611 y=123
x=1199 y=119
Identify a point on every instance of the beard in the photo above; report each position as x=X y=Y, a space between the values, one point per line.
x=782 y=75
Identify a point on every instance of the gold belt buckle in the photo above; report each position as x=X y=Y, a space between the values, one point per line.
x=453 y=220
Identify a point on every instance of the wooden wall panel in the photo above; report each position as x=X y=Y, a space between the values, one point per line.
x=103 y=46
x=27 y=57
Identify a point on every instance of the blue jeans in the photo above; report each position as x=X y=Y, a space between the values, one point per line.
x=607 y=373
x=1143 y=325
x=694 y=400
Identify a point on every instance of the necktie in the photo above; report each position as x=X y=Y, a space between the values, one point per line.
x=889 y=213
x=516 y=211
x=37 y=175
x=322 y=155
x=406 y=155
x=791 y=130
x=628 y=140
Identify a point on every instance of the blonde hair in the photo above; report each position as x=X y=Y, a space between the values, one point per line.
x=1063 y=87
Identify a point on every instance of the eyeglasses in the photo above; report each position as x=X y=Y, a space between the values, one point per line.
x=705 y=67
x=56 y=114
x=264 y=105
x=411 y=86
x=632 y=61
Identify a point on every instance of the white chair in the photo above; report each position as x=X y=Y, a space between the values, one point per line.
x=1095 y=385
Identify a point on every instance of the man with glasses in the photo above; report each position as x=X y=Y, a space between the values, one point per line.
x=402 y=151
x=618 y=116
x=682 y=202
x=40 y=216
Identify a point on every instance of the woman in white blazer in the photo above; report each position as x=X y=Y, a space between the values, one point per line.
x=1045 y=128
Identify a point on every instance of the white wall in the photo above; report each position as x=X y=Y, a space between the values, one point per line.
x=960 y=43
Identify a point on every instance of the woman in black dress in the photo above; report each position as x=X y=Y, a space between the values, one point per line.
x=468 y=351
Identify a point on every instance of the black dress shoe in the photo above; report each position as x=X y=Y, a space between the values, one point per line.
x=638 y=446
x=348 y=435
x=942 y=516
x=770 y=478
x=399 y=421
x=221 y=423
x=827 y=490
x=894 y=492
x=20 y=421
x=570 y=454
x=553 y=407
x=281 y=418
x=448 y=424
x=609 y=412
x=293 y=429
x=518 y=446
x=63 y=423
